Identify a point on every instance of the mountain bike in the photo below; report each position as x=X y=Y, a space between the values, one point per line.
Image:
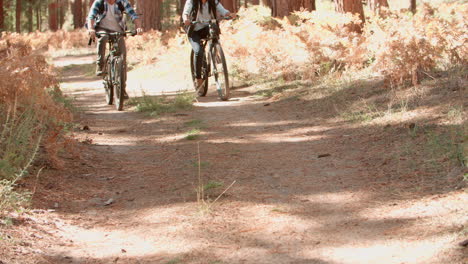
x=213 y=64
x=114 y=69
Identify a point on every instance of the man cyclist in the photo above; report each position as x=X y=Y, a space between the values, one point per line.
x=106 y=16
x=201 y=11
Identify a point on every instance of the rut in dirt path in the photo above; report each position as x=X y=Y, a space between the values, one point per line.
x=303 y=192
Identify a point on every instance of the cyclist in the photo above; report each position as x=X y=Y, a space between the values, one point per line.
x=201 y=11
x=106 y=16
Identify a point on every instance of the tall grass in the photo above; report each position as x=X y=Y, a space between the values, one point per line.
x=155 y=105
x=32 y=119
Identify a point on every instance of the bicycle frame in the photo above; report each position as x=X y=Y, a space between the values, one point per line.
x=214 y=63
x=213 y=35
x=115 y=69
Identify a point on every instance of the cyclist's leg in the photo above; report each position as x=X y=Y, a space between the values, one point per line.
x=195 y=40
x=101 y=52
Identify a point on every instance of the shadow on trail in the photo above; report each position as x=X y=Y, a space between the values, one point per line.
x=192 y=257
x=301 y=167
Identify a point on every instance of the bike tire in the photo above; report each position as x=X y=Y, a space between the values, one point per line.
x=201 y=91
x=118 y=80
x=108 y=84
x=220 y=72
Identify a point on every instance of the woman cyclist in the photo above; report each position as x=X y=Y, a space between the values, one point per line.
x=201 y=11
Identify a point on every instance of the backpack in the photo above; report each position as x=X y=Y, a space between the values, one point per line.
x=101 y=9
x=119 y=5
x=194 y=12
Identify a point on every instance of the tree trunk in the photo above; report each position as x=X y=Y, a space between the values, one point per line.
x=255 y=2
x=230 y=5
x=151 y=13
x=53 y=17
x=413 y=6
x=18 y=16
x=354 y=7
x=375 y=5
x=38 y=18
x=282 y=8
x=296 y=5
x=85 y=10
x=62 y=9
x=30 y=15
x=180 y=6
x=2 y=16
x=77 y=14
x=309 y=5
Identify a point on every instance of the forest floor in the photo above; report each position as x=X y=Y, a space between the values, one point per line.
x=302 y=184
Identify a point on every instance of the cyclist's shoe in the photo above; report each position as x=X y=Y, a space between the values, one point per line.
x=99 y=71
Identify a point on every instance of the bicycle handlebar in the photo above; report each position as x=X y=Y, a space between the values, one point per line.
x=98 y=34
x=131 y=33
x=212 y=20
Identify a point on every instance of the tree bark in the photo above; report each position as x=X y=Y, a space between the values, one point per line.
x=53 y=16
x=30 y=15
x=18 y=16
x=180 y=6
x=85 y=10
x=281 y=8
x=354 y=7
x=309 y=5
x=413 y=6
x=2 y=16
x=38 y=18
x=230 y=5
x=375 y=5
x=296 y=5
x=151 y=13
x=62 y=9
x=77 y=14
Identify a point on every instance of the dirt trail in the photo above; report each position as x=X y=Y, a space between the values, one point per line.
x=304 y=191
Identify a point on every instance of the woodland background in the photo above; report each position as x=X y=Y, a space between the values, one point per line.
x=41 y=15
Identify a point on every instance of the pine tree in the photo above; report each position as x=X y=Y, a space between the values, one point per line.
x=18 y=16
x=77 y=14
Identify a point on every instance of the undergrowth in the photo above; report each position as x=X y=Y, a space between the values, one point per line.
x=156 y=105
x=398 y=46
x=33 y=115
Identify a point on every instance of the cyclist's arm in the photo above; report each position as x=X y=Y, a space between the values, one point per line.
x=93 y=11
x=133 y=15
x=186 y=13
x=129 y=9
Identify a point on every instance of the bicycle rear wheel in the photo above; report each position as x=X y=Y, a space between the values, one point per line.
x=108 y=83
x=118 y=82
x=201 y=91
x=220 y=72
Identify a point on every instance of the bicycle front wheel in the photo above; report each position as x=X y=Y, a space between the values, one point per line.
x=220 y=71
x=201 y=90
x=118 y=82
x=108 y=83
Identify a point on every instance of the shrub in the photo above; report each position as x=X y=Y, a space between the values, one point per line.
x=399 y=46
x=30 y=118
